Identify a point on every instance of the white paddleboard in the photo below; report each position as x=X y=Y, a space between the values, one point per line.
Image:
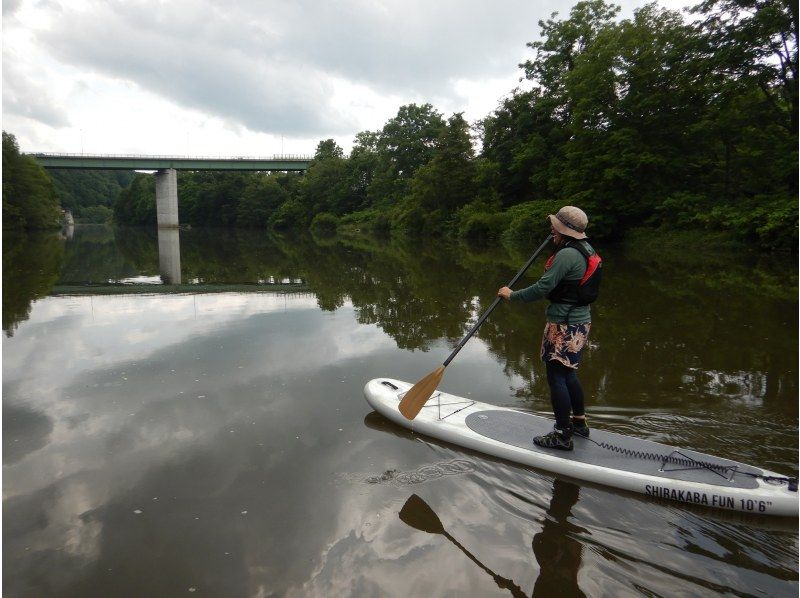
x=615 y=460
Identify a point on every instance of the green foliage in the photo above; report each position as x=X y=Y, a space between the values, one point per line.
x=328 y=187
x=80 y=189
x=324 y=224
x=447 y=181
x=136 y=205
x=408 y=140
x=328 y=149
x=96 y=215
x=529 y=223
x=211 y=198
x=482 y=226
x=29 y=199
x=290 y=215
x=261 y=198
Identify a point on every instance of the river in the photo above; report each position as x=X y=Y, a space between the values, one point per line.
x=209 y=436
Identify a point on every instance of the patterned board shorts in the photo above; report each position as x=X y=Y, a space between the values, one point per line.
x=564 y=343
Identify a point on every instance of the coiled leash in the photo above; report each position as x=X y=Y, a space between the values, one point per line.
x=686 y=463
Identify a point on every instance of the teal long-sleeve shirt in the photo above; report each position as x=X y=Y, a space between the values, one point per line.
x=568 y=264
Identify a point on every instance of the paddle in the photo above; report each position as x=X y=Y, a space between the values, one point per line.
x=419 y=393
x=417 y=514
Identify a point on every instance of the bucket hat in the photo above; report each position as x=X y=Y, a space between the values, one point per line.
x=570 y=221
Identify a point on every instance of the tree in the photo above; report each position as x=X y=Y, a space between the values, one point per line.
x=756 y=42
x=29 y=199
x=328 y=149
x=447 y=182
x=521 y=144
x=260 y=200
x=136 y=205
x=408 y=140
x=327 y=186
x=364 y=162
x=562 y=45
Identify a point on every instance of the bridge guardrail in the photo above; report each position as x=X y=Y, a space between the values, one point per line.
x=285 y=157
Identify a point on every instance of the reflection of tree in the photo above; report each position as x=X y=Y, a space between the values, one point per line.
x=655 y=316
x=139 y=247
x=657 y=319
x=31 y=266
x=97 y=254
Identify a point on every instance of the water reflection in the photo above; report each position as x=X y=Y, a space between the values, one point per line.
x=215 y=438
x=31 y=267
x=662 y=337
x=169 y=255
x=417 y=514
x=557 y=551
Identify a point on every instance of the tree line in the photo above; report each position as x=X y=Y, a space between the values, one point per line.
x=90 y=194
x=29 y=197
x=651 y=121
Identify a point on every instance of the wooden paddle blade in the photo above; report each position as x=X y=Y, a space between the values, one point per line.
x=419 y=393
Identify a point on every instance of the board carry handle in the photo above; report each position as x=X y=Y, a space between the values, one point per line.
x=497 y=301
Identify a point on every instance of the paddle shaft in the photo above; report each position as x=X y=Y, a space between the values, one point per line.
x=496 y=302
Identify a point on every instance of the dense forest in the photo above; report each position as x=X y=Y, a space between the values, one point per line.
x=89 y=194
x=29 y=198
x=34 y=197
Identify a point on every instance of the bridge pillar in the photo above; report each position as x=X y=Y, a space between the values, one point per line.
x=167 y=198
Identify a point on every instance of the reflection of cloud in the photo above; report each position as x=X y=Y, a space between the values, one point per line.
x=172 y=382
x=24 y=431
x=376 y=551
x=81 y=537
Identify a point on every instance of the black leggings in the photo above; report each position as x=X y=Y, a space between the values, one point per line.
x=566 y=393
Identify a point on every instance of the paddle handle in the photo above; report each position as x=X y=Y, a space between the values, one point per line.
x=496 y=302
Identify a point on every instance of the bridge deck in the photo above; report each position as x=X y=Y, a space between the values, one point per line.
x=137 y=162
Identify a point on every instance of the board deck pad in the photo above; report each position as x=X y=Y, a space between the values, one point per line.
x=518 y=429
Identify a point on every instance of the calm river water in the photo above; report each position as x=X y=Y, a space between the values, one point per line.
x=209 y=437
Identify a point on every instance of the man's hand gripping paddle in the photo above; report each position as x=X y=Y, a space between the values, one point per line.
x=417 y=396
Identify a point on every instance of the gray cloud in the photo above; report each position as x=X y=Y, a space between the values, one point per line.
x=269 y=65
x=197 y=66
x=23 y=97
x=10 y=6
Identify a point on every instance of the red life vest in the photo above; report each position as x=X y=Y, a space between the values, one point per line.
x=578 y=292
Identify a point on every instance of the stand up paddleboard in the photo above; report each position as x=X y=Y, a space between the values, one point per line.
x=624 y=462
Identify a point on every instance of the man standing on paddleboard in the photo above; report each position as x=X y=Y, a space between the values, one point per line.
x=571 y=282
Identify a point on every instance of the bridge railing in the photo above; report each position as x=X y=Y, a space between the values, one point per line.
x=285 y=157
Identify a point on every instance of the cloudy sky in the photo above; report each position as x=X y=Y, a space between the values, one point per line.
x=252 y=77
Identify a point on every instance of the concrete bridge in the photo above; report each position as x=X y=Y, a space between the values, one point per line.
x=167 y=168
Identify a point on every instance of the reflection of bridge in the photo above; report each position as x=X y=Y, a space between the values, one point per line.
x=195 y=289
x=167 y=168
x=169 y=265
